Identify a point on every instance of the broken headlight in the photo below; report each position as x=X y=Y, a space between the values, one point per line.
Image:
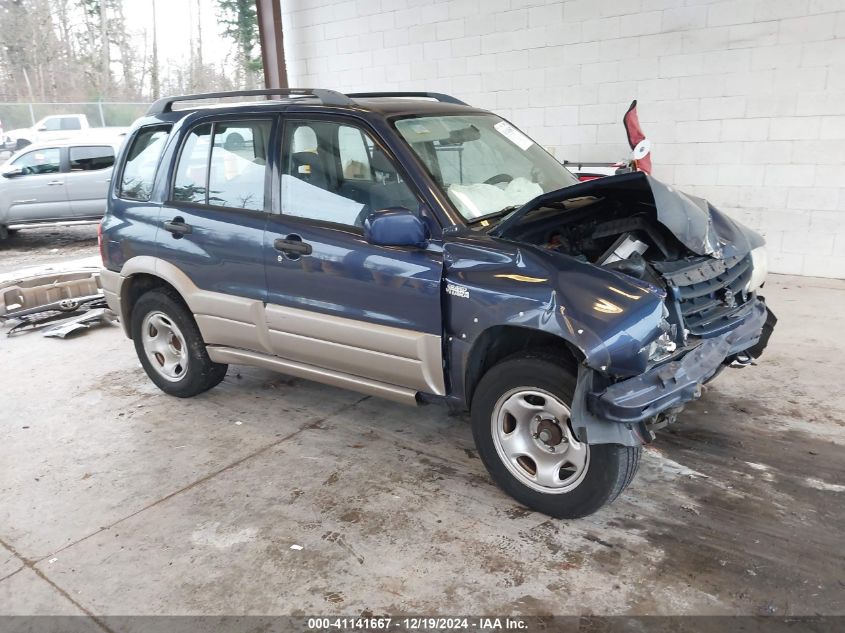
x=759 y=269
x=663 y=345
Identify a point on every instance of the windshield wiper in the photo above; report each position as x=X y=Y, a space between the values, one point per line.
x=495 y=214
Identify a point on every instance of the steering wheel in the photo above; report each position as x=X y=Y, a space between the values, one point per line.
x=498 y=179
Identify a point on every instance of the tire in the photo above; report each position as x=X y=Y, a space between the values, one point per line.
x=571 y=481
x=21 y=143
x=170 y=346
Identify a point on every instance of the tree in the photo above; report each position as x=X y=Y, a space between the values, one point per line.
x=239 y=19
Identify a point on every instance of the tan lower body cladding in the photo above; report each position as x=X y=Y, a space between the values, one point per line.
x=375 y=359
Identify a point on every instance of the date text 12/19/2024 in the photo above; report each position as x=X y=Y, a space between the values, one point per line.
x=481 y=624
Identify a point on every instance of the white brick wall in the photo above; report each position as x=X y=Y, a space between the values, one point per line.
x=744 y=100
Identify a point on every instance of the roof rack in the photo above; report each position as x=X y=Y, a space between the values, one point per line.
x=327 y=97
x=438 y=96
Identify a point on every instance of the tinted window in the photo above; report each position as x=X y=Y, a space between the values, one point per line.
x=91 y=158
x=238 y=165
x=39 y=161
x=139 y=171
x=337 y=173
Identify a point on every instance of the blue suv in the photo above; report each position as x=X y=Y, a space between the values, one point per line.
x=411 y=247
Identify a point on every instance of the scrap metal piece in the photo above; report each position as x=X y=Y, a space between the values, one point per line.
x=82 y=321
x=65 y=291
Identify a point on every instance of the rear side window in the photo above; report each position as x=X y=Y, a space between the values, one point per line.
x=190 y=183
x=223 y=164
x=139 y=170
x=91 y=158
x=70 y=123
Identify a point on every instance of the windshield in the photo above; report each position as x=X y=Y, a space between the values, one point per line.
x=484 y=164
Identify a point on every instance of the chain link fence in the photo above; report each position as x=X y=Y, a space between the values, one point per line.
x=99 y=113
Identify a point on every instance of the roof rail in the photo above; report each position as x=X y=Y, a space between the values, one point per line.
x=439 y=96
x=327 y=97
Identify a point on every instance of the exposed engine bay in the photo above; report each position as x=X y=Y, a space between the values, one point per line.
x=622 y=237
x=623 y=230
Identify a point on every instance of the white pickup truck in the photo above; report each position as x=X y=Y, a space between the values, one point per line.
x=51 y=128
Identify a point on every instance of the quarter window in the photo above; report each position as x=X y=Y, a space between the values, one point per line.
x=136 y=182
x=234 y=174
x=39 y=161
x=91 y=158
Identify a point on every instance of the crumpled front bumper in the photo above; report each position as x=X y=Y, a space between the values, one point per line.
x=679 y=381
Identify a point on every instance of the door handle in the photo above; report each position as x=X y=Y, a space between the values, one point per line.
x=292 y=245
x=53 y=183
x=178 y=227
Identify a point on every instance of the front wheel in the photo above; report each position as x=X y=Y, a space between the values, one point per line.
x=522 y=429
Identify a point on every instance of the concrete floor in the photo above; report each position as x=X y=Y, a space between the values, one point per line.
x=116 y=499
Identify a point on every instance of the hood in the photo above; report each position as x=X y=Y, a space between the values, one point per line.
x=690 y=219
x=18 y=131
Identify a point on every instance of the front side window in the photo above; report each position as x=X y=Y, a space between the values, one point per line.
x=224 y=165
x=483 y=164
x=336 y=173
x=136 y=182
x=91 y=158
x=39 y=161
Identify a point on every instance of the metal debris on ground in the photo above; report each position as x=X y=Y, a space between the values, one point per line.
x=62 y=301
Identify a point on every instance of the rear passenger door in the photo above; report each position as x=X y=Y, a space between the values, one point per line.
x=88 y=179
x=334 y=300
x=212 y=223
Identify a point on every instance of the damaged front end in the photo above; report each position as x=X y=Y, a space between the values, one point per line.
x=709 y=267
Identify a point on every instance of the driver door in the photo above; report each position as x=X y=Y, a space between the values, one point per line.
x=39 y=193
x=334 y=300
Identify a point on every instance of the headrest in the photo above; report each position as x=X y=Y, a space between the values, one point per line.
x=306 y=163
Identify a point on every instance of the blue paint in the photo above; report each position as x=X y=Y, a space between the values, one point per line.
x=434 y=274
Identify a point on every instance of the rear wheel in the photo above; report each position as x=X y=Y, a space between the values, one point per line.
x=170 y=346
x=522 y=428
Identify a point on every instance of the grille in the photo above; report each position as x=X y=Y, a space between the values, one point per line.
x=710 y=293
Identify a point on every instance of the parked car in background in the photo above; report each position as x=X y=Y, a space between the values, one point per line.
x=55 y=183
x=412 y=247
x=54 y=128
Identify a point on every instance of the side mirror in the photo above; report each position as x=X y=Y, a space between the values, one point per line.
x=395 y=226
x=42 y=128
x=12 y=172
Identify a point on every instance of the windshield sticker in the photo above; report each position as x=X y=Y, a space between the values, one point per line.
x=418 y=128
x=513 y=135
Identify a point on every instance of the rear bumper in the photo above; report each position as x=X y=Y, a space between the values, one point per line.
x=112 y=283
x=671 y=385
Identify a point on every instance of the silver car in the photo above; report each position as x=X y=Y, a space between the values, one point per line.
x=56 y=183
